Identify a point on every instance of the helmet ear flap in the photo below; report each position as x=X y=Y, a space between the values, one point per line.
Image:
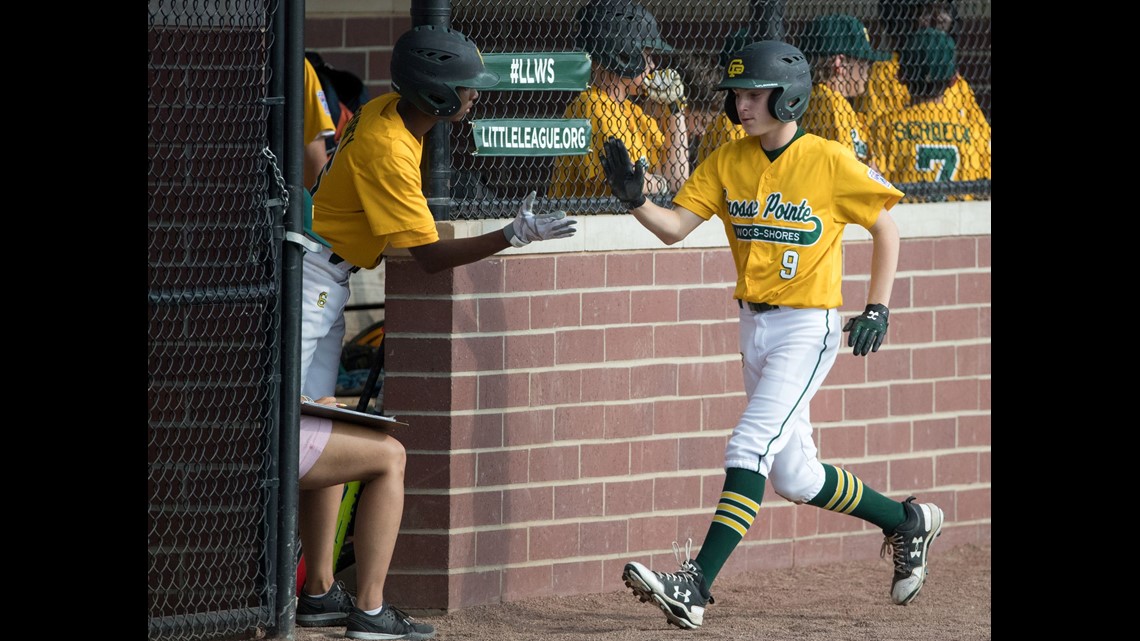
x=730 y=107
x=776 y=107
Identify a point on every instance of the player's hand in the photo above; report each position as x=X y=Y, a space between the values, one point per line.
x=527 y=226
x=666 y=88
x=867 y=329
x=627 y=181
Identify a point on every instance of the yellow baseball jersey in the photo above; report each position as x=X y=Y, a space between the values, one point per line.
x=371 y=195
x=318 y=118
x=885 y=93
x=830 y=116
x=933 y=142
x=721 y=130
x=583 y=176
x=785 y=219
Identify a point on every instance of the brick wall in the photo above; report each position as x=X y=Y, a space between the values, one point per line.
x=361 y=44
x=569 y=410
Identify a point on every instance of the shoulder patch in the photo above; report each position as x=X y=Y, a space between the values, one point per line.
x=877 y=177
x=324 y=102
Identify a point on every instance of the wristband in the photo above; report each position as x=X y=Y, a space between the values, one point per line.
x=512 y=237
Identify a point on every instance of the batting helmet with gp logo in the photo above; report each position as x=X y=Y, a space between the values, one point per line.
x=769 y=64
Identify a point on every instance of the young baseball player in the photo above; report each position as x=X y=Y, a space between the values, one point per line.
x=933 y=139
x=333 y=453
x=840 y=53
x=898 y=19
x=370 y=194
x=784 y=197
x=622 y=37
x=722 y=129
x=318 y=127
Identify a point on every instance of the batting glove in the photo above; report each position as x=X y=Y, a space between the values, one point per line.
x=527 y=226
x=867 y=329
x=665 y=87
x=626 y=180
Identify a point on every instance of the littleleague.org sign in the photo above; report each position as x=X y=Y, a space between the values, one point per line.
x=531 y=137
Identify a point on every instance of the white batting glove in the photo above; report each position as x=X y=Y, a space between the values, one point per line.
x=527 y=226
x=665 y=87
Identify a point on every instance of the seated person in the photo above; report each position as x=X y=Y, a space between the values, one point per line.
x=840 y=54
x=897 y=19
x=332 y=453
x=318 y=127
x=621 y=37
x=932 y=140
x=723 y=130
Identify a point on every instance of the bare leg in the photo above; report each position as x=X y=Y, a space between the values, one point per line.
x=377 y=460
x=378 y=514
x=317 y=525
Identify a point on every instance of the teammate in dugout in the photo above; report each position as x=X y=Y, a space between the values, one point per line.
x=933 y=139
x=898 y=19
x=839 y=51
x=781 y=178
x=370 y=194
x=722 y=129
x=318 y=126
x=622 y=38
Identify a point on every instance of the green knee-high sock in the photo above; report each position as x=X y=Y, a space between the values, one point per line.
x=739 y=502
x=843 y=492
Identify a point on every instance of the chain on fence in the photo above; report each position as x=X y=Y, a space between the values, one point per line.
x=213 y=320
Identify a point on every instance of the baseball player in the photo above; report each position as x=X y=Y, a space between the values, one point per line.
x=370 y=194
x=784 y=197
x=318 y=126
x=722 y=129
x=621 y=37
x=839 y=50
x=932 y=140
x=897 y=19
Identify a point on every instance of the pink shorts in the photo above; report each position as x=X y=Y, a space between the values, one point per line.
x=315 y=432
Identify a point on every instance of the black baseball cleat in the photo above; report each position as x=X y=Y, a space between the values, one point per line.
x=910 y=545
x=682 y=596
x=327 y=610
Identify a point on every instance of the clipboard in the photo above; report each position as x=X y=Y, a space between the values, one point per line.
x=348 y=415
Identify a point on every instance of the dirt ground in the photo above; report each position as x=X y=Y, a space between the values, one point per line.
x=841 y=602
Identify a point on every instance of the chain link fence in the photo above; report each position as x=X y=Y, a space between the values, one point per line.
x=521 y=135
x=213 y=320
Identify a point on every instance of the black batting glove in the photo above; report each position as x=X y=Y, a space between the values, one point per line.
x=626 y=180
x=867 y=329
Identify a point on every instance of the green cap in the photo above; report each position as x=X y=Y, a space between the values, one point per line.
x=840 y=34
x=928 y=55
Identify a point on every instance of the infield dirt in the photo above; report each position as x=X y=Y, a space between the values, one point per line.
x=837 y=602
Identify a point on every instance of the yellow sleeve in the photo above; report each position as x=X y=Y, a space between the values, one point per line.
x=318 y=120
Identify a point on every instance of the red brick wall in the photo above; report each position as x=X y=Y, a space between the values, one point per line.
x=569 y=414
x=360 y=44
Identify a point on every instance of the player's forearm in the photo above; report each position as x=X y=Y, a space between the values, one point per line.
x=666 y=224
x=884 y=259
x=314 y=161
x=453 y=252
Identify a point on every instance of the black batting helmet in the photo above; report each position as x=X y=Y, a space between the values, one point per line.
x=429 y=62
x=615 y=33
x=769 y=64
